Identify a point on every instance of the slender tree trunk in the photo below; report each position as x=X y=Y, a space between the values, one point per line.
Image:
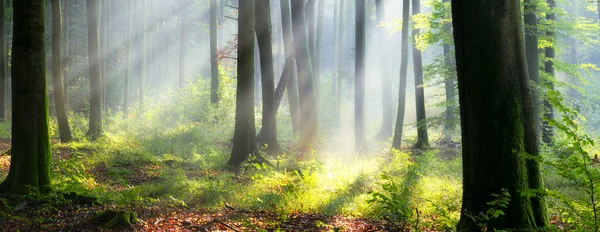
x=103 y=50
x=319 y=47
x=359 y=80
x=129 y=58
x=244 y=132
x=308 y=120
x=336 y=10
x=386 y=83
x=95 y=123
x=61 y=113
x=422 y=137
x=494 y=135
x=531 y=51
x=547 y=130
x=214 y=68
x=263 y=35
x=573 y=93
x=310 y=21
x=67 y=59
x=144 y=52
x=449 y=84
x=30 y=160
x=183 y=44
x=3 y=62
x=288 y=43
x=340 y=65
x=397 y=141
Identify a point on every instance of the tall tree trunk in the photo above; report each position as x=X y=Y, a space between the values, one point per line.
x=336 y=10
x=214 y=68
x=386 y=82
x=244 y=132
x=263 y=35
x=95 y=124
x=67 y=58
x=319 y=47
x=3 y=62
x=573 y=93
x=61 y=112
x=30 y=160
x=359 y=80
x=531 y=51
x=310 y=21
x=183 y=44
x=144 y=53
x=547 y=130
x=103 y=50
x=422 y=138
x=340 y=66
x=292 y=86
x=308 y=119
x=397 y=141
x=494 y=135
x=129 y=57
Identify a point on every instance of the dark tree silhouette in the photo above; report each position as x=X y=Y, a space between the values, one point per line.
x=397 y=141
x=61 y=112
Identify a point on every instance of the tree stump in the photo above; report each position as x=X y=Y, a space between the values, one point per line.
x=111 y=219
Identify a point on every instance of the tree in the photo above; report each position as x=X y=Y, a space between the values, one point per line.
x=288 y=43
x=495 y=135
x=547 y=130
x=183 y=44
x=143 y=68
x=310 y=22
x=95 y=124
x=422 y=138
x=263 y=35
x=244 y=132
x=67 y=56
x=30 y=160
x=3 y=62
x=308 y=119
x=336 y=10
x=61 y=111
x=386 y=88
x=214 y=68
x=531 y=51
x=449 y=83
x=397 y=141
x=340 y=69
x=318 y=56
x=359 y=79
x=130 y=57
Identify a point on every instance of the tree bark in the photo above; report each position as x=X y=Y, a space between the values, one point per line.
x=129 y=57
x=336 y=10
x=61 y=112
x=264 y=35
x=359 y=80
x=244 y=132
x=214 y=68
x=95 y=124
x=547 y=130
x=397 y=140
x=67 y=57
x=449 y=85
x=496 y=115
x=292 y=86
x=386 y=83
x=340 y=65
x=30 y=160
x=531 y=51
x=144 y=66
x=422 y=137
x=319 y=47
x=310 y=22
x=183 y=44
x=308 y=120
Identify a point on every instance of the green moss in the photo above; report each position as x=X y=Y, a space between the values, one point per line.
x=111 y=219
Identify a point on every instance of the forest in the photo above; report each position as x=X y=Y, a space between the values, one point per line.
x=299 y=115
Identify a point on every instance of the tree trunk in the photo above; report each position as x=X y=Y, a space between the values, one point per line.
x=292 y=86
x=263 y=35
x=318 y=48
x=3 y=62
x=397 y=141
x=310 y=21
x=336 y=10
x=214 y=68
x=95 y=124
x=449 y=84
x=573 y=93
x=67 y=58
x=359 y=80
x=531 y=51
x=129 y=58
x=493 y=135
x=340 y=66
x=144 y=53
x=61 y=113
x=183 y=44
x=308 y=120
x=547 y=130
x=30 y=160
x=386 y=83
x=244 y=132
x=103 y=50
x=422 y=138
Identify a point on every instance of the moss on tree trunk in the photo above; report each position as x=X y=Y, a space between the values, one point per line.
x=114 y=219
